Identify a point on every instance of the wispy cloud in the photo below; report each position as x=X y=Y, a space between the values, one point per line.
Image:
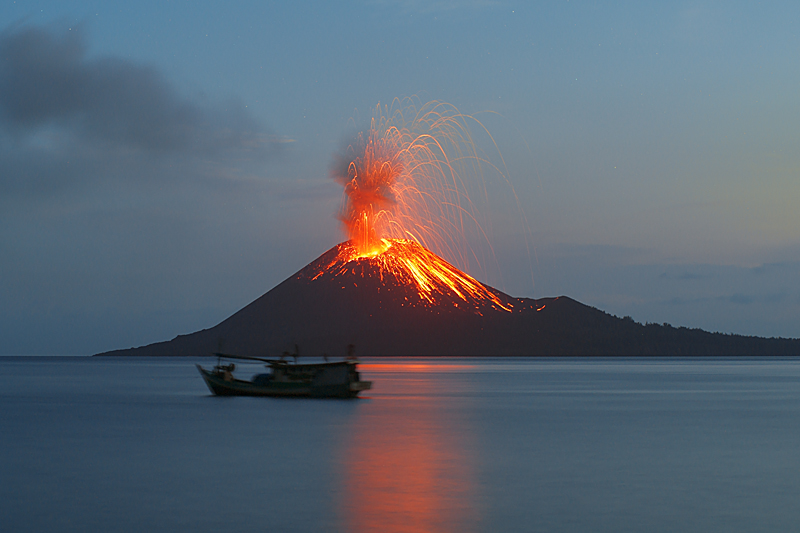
x=66 y=118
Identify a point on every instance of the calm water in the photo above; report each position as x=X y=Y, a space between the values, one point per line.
x=439 y=445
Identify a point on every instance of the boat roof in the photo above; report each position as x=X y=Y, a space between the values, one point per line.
x=284 y=362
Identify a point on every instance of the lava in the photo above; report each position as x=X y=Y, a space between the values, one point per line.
x=435 y=280
x=408 y=182
x=413 y=175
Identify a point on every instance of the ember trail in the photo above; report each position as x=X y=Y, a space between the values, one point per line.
x=408 y=183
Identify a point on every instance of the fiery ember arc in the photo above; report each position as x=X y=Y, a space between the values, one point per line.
x=408 y=182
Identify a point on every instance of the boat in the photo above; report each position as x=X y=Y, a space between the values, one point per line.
x=339 y=379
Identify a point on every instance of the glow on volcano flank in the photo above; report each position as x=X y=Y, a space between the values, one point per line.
x=432 y=278
x=406 y=192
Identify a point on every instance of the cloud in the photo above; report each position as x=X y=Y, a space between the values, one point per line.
x=66 y=117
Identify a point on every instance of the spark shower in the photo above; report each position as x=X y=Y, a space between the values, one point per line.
x=416 y=181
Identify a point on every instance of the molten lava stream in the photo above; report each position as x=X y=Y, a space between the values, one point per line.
x=416 y=176
x=435 y=280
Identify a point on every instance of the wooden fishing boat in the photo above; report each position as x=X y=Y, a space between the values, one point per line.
x=339 y=379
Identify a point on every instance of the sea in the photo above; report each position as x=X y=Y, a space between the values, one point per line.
x=437 y=445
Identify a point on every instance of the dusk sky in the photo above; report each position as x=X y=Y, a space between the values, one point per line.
x=163 y=164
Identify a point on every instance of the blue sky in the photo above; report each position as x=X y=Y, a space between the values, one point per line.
x=165 y=163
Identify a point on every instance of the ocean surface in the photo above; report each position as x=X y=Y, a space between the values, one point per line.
x=438 y=445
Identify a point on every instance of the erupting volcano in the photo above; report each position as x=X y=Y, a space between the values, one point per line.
x=398 y=285
x=406 y=187
x=414 y=175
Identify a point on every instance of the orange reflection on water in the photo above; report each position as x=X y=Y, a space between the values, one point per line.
x=406 y=467
x=412 y=367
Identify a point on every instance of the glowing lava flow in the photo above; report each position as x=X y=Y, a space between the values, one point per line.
x=435 y=280
x=407 y=187
x=413 y=175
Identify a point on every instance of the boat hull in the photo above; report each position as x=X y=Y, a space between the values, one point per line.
x=220 y=386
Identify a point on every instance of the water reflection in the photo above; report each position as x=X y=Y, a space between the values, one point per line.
x=406 y=462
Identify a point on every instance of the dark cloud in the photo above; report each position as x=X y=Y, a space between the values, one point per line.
x=64 y=115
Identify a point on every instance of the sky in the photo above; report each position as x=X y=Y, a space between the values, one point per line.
x=163 y=164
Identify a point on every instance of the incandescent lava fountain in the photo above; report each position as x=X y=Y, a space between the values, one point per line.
x=406 y=204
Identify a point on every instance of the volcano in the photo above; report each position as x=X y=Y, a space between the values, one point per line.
x=401 y=299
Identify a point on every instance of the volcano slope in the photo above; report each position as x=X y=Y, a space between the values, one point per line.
x=404 y=300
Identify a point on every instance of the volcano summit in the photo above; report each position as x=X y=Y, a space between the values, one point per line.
x=402 y=299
